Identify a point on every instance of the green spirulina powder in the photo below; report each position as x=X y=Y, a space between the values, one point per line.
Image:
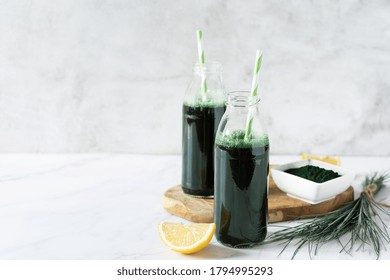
x=313 y=173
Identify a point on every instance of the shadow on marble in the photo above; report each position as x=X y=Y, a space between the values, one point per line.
x=214 y=251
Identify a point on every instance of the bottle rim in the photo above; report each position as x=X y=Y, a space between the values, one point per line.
x=242 y=99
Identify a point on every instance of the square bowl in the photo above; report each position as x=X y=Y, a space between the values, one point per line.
x=307 y=190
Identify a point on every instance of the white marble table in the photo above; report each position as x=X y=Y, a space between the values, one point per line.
x=104 y=206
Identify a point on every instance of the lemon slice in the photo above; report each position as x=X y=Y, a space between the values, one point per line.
x=186 y=238
x=331 y=160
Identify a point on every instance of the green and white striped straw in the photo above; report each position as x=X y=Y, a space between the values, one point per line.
x=255 y=85
x=201 y=63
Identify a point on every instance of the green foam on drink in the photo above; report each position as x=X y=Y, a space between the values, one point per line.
x=206 y=103
x=237 y=140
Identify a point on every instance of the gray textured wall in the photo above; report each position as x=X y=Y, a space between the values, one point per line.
x=109 y=76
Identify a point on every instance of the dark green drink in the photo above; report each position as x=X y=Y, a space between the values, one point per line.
x=200 y=124
x=241 y=190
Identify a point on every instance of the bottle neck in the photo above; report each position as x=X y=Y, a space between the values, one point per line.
x=211 y=68
x=242 y=125
x=242 y=100
x=209 y=77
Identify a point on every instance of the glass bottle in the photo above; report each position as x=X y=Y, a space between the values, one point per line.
x=201 y=115
x=241 y=174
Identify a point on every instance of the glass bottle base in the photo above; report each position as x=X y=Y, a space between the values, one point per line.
x=240 y=246
x=239 y=243
x=199 y=193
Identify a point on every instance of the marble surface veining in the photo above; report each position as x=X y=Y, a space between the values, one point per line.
x=109 y=76
x=108 y=206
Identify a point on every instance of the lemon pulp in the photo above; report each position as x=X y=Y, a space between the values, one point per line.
x=186 y=238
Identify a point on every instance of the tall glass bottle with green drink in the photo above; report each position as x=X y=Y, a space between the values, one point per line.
x=241 y=173
x=202 y=112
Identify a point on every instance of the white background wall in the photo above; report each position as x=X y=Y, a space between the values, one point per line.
x=109 y=76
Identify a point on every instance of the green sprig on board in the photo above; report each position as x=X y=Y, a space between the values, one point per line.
x=358 y=220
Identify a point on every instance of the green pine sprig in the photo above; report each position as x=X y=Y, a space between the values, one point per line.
x=357 y=220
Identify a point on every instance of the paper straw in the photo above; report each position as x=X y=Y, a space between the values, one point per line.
x=201 y=63
x=255 y=85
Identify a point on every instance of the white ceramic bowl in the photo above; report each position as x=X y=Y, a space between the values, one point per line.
x=307 y=190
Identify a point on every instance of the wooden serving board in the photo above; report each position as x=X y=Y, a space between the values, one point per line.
x=281 y=207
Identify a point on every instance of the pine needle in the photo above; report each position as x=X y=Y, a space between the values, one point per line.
x=358 y=220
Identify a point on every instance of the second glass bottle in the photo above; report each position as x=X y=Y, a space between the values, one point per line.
x=202 y=112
